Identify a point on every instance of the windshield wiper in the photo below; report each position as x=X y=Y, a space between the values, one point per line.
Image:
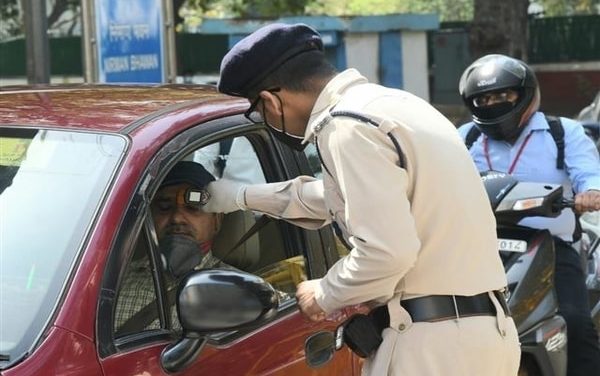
x=4 y=358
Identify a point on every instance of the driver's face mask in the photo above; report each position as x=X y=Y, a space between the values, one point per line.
x=180 y=253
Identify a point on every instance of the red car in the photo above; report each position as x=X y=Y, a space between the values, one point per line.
x=79 y=166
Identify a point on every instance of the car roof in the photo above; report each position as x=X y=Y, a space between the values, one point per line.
x=107 y=108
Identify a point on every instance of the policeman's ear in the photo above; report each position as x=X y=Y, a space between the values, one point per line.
x=272 y=102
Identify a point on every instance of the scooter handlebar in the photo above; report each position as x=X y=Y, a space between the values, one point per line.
x=565 y=203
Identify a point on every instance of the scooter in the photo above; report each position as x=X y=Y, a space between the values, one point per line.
x=528 y=256
x=590 y=225
x=590 y=260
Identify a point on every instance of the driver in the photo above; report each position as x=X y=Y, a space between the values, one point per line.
x=185 y=236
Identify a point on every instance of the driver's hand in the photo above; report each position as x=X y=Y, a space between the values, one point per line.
x=226 y=196
x=587 y=201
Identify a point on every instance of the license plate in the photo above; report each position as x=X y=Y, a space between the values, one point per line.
x=512 y=245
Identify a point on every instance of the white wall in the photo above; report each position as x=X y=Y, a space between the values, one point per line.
x=362 y=53
x=414 y=63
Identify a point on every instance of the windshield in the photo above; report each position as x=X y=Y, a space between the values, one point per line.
x=51 y=184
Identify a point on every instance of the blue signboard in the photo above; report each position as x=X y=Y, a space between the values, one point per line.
x=129 y=36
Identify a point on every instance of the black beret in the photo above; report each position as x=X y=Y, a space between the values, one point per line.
x=188 y=172
x=253 y=58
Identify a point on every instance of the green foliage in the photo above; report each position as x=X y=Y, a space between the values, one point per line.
x=10 y=18
x=554 y=8
x=456 y=10
x=449 y=10
x=274 y=8
x=353 y=7
x=196 y=9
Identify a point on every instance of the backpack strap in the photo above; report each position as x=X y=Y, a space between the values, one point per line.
x=556 y=130
x=472 y=136
x=558 y=134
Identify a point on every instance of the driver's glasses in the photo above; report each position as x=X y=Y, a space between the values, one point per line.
x=496 y=97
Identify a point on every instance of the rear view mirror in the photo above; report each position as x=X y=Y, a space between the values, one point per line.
x=216 y=300
x=592 y=130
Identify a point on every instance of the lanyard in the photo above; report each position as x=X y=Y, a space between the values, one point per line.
x=514 y=162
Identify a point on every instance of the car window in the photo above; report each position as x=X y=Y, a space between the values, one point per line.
x=245 y=241
x=242 y=243
x=313 y=160
x=137 y=301
x=51 y=185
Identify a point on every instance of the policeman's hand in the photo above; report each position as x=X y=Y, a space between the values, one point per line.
x=587 y=201
x=305 y=294
x=225 y=196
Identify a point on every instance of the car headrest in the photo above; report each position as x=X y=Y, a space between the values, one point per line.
x=234 y=226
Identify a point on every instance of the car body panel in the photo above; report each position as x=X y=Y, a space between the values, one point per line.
x=149 y=117
x=146 y=141
x=61 y=353
x=279 y=351
x=97 y=107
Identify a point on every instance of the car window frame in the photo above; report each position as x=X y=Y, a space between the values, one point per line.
x=274 y=160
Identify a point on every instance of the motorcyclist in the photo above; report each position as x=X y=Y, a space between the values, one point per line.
x=510 y=135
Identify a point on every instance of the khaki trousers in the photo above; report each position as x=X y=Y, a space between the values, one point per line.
x=470 y=346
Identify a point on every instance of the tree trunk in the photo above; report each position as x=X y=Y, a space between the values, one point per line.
x=60 y=6
x=499 y=27
x=177 y=18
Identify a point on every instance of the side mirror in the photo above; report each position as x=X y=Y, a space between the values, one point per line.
x=592 y=130
x=212 y=301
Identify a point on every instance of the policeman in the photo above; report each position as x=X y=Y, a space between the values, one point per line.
x=401 y=188
x=508 y=134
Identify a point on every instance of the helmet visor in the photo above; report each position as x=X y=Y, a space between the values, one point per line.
x=496 y=97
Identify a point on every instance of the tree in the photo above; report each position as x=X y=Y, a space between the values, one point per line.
x=63 y=13
x=499 y=27
x=10 y=14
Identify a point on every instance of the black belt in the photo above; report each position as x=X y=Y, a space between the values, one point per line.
x=433 y=308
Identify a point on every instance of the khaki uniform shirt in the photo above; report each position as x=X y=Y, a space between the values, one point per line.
x=425 y=229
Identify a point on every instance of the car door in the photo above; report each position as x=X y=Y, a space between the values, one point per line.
x=134 y=326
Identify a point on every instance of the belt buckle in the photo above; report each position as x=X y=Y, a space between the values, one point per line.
x=456 y=312
x=502 y=296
